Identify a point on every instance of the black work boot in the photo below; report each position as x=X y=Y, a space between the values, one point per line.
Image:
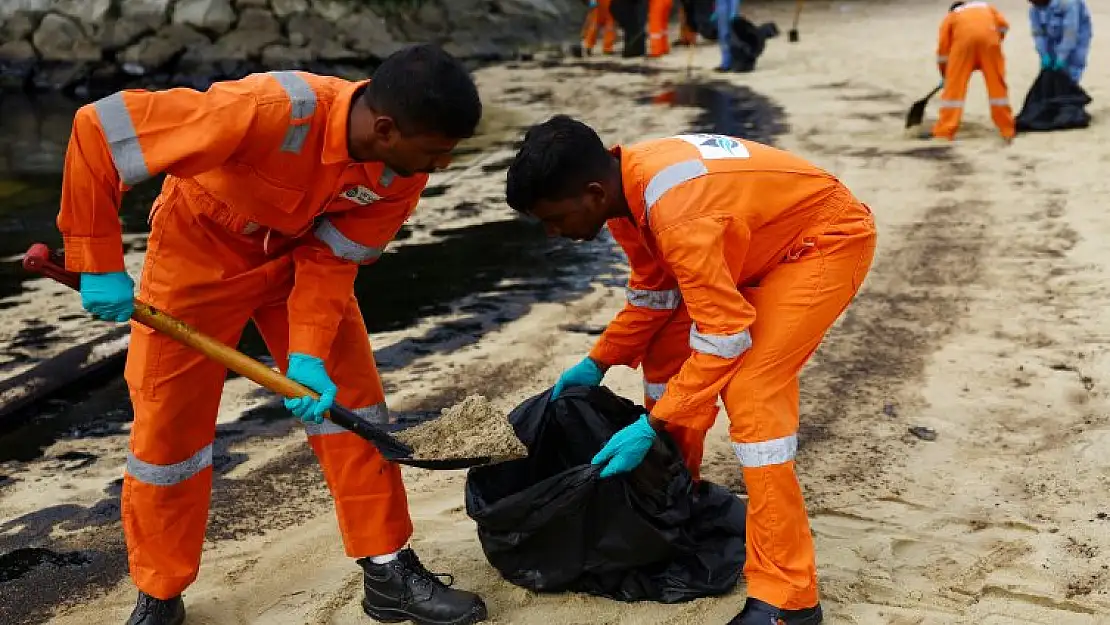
x=151 y=611
x=756 y=612
x=403 y=590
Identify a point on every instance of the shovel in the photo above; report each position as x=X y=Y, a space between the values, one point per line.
x=40 y=259
x=917 y=112
x=793 y=36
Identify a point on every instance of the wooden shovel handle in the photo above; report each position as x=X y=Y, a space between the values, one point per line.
x=39 y=259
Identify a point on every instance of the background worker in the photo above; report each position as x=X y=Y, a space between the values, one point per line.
x=742 y=257
x=600 y=23
x=659 y=22
x=1062 y=33
x=971 y=38
x=279 y=187
x=724 y=12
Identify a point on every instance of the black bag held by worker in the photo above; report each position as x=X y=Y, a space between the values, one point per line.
x=1054 y=102
x=548 y=522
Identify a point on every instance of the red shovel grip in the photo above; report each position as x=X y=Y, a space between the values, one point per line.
x=39 y=259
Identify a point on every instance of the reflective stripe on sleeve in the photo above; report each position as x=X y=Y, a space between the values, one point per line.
x=767 y=453
x=654 y=390
x=669 y=178
x=667 y=299
x=343 y=247
x=119 y=131
x=169 y=474
x=303 y=101
x=722 y=345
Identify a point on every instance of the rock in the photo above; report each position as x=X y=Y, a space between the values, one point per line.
x=62 y=39
x=61 y=77
x=369 y=33
x=285 y=8
x=248 y=4
x=311 y=29
x=9 y=8
x=157 y=50
x=434 y=18
x=529 y=8
x=477 y=49
x=214 y=15
x=17 y=51
x=257 y=29
x=93 y=13
x=259 y=20
x=122 y=32
x=152 y=13
x=18 y=26
x=333 y=51
x=286 y=57
x=333 y=10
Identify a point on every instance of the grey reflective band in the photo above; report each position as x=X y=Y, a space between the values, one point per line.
x=169 y=474
x=767 y=453
x=942 y=59
x=654 y=390
x=1000 y=101
x=343 y=247
x=669 y=178
x=374 y=413
x=667 y=299
x=303 y=101
x=951 y=104
x=723 y=345
x=324 y=428
x=386 y=178
x=119 y=131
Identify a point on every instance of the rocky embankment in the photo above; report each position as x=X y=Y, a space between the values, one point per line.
x=81 y=45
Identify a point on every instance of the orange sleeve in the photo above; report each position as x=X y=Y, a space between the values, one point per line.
x=944 y=43
x=131 y=136
x=326 y=265
x=1000 y=22
x=695 y=250
x=652 y=298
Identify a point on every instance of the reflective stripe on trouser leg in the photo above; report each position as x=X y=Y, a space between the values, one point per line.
x=961 y=63
x=993 y=66
x=796 y=303
x=370 y=501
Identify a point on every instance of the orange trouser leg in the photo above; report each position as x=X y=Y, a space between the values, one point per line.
x=993 y=66
x=589 y=38
x=200 y=274
x=370 y=500
x=662 y=359
x=961 y=62
x=607 y=25
x=659 y=18
x=795 y=304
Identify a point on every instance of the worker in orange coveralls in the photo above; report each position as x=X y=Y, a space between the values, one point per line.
x=971 y=38
x=742 y=256
x=279 y=187
x=600 y=22
x=659 y=21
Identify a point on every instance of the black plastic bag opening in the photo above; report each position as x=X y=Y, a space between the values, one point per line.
x=549 y=523
x=1054 y=102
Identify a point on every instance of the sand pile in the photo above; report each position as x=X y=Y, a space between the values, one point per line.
x=471 y=428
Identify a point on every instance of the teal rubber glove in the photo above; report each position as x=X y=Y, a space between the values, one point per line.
x=585 y=373
x=1059 y=64
x=309 y=370
x=1046 y=61
x=626 y=449
x=108 y=296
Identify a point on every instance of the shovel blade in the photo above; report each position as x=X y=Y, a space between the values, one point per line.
x=793 y=35
x=446 y=464
x=916 y=114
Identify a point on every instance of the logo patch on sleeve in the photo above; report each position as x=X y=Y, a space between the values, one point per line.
x=360 y=195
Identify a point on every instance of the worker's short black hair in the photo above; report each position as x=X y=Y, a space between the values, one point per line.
x=426 y=91
x=557 y=159
x=955 y=5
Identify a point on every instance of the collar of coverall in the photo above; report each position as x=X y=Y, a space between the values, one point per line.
x=633 y=195
x=335 y=134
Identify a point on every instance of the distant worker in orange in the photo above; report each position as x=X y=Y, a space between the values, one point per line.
x=279 y=187
x=687 y=19
x=742 y=256
x=600 y=22
x=971 y=38
x=659 y=22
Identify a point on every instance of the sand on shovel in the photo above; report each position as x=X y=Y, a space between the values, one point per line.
x=471 y=428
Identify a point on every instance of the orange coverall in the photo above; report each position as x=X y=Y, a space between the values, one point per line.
x=742 y=256
x=971 y=39
x=659 y=20
x=600 y=21
x=263 y=216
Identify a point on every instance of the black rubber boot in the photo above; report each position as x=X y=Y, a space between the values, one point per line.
x=151 y=611
x=403 y=590
x=756 y=612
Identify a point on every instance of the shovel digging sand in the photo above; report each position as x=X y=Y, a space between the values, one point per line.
x=481 y=444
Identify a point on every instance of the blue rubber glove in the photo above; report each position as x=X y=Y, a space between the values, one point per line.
x=108 y=296
x=585 y=373
x=309 y=370
x=1059 y=64
x=941 y=85
x=1046 y=61
x=626 y=449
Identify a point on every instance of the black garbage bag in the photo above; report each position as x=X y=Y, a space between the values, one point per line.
x=548 y=522
x=705 y=18
x=747 y=41
x=1054 y=102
